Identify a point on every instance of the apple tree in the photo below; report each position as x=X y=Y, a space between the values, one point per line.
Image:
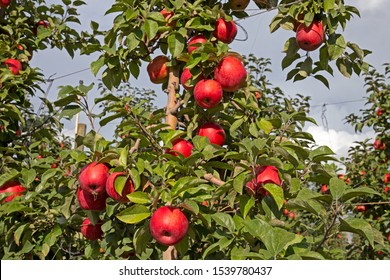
x=226 y=161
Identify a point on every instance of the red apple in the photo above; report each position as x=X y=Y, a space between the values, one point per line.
x=388 y=236
x=214 y=132
x=263 y=175
x=258 y=95
x=361 y=208
x=208 y=93
x=181 y=146
x=225 y=31
x=90 y=231
x=4 y=3
x=344 y=178
x=13 y=189
x=387 y=178
x=88 y=201
x=386 y=189
x=324 y=188
x=93 y=178
x=379 y=112
x=379 y=145
x=158 y=70
x=238 y=5
x=185 y=76
x=310 y=37
x=14 y=65
x=285 y=212
x=167 y=15
x=127 y=189
x=195 y=42
x=168 y=225
x=291 y=215
x=230 y=73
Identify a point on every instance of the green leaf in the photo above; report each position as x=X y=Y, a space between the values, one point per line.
x=320 y=151
x=336 y=46
x=265 y=125
x=277 y=193
x=276 y=240
x=151 y=28
x=134 y=214
x=238 y=182
x=328 y=5
x=186 y=183
x=169 y=135
x=358 y=226
x=356 y=192
x=246 y=204
x=18 y=233
x=224 y=220
x=119 y=183
x=337 y=188
x=28 y=175
x=176 y=44
x=123 y=156
x=323 y=80
x=139 y=197
x=191 y=206
x=51 y=239
x=97 y=65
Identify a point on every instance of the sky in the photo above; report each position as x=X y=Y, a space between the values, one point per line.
x=370 y=31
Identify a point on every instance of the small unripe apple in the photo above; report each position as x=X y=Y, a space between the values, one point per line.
x=127 y=189
x=310 y=37
x=4 y=3
x=90 y=231
x=88 y=201
x=291 y=215
x=208 y=93
x=158 y=70
x=379 y=112
x=238 y=5
x=168 y=225
x=263 y=175
x=185 y=76
x=225 y=31
x=195 y=42
x=93 y=178
x=181 y=146
x=285 y=212
x=214 y=132
x=230 y=73
x=13 y=189
x=14 y=65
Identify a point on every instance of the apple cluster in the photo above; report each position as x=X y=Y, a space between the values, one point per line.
x=96 y=185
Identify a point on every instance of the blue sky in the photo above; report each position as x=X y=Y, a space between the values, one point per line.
x=369 y=32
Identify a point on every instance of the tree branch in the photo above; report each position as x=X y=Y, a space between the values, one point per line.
x=210 y=177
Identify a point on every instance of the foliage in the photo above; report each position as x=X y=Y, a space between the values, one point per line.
x=262 y=124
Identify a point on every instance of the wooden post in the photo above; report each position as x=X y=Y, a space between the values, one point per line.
x=81 y=130
x=173 y=85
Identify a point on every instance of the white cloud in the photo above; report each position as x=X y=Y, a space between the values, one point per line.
x=338 y=141
x=368 y=5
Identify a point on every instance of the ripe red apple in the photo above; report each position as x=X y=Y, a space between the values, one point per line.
x=379 y=112
x=88 y=201
x=344 y=178
x=238 y=5
x=185 y=76
x=90 y=231
x=379 y=145
x=388 y=236
x=14 y=65
x=225 y=31
x=181 y=146
x=291 y=215
x=93 y=178
x=127 y=189
x=13 y=188
x=214 y=132
x=194 y=42
x=4 y=3
x=387 y=178
x=158 y=70
x=168 y=225
x=263 y=175
x=230 y=73
x=361 y=208
x=167 y=15
x=208 y=93
x=324 y=188
x=258 y=95
x=285 y=212
x=386 y=189
x=310 y=37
